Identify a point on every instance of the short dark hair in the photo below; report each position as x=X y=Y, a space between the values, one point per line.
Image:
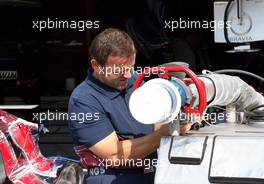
x=112 y=42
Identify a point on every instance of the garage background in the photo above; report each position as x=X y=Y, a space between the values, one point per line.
x=48 y=63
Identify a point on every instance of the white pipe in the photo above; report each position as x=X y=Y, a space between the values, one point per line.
x=232 y=90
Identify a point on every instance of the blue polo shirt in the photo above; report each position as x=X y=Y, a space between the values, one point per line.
x=106 y=110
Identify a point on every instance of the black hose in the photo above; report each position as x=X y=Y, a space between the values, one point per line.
x=254 y=115
x=241 y=72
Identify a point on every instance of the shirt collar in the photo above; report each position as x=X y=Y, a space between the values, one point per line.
x=103 y=88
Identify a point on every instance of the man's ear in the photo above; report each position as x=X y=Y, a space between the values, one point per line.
x=95 y=65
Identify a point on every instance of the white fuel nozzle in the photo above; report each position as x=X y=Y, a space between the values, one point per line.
x=157 y=101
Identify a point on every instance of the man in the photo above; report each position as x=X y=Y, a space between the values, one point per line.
x=109 y=139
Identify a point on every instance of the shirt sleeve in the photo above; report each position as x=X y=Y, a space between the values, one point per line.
x=88 y=123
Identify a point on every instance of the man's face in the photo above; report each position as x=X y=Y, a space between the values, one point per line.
x=116 y=72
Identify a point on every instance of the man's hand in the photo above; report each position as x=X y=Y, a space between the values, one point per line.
x=185 y=127
x=170 y=128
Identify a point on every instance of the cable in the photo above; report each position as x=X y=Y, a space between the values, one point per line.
x=238 y=10
x=254 y=115
x=255 y=108
x=257 y=116
x=225 y=21
x=241 y=72
x=216 y=106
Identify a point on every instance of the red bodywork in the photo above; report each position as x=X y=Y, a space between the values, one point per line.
x=30 y=166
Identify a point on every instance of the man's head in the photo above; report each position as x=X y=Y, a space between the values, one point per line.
x=113 y=57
